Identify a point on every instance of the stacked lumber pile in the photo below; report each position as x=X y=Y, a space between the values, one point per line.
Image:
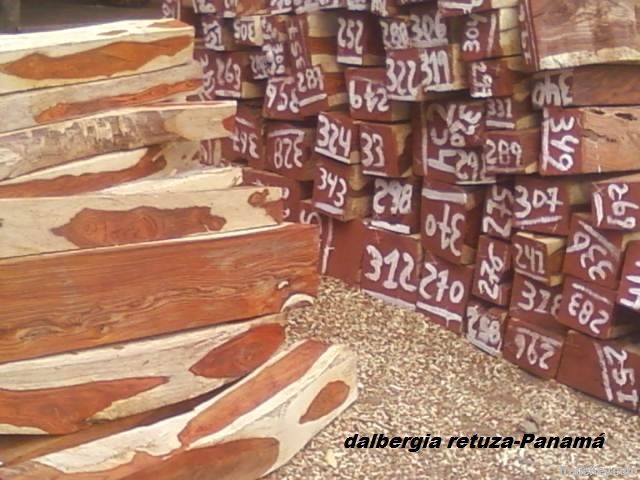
x=137 y=283
x=460 y=158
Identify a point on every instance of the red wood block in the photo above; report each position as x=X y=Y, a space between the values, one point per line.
x=340 y=190
x=395 y=32
x=539 y=257
x=616 y=203
x=458 y=123
x=396 y=204
x=592 y=309
x=259 y=65
x=249 y=135
x=552 y=89
x=497 y=217
x=443 y=68
x=493 y=272
x=561 y=141
x=359 y=39
x=218 y=33
x=207 y=60
x=405 y=78
x=498 y=77
x=485 y=326
x=318 y=91
x=312 y=41
x=629 y=289
x=276 y=7
x=451 y=217
x=545 y=205
x=511 y=113
x=218 y=152
x=385 y=149
x=534 y=301
x=491 y=34
x=293 y=192
x=427 y=27
x=528 y=42
x=443 y=292
x=341 y=244
x=391 y=267
x=512 y=151
x=384 y=8
x=606 y=369
x=234 y=78
x=368 y=98
x=281 y=99
x=275 y=28
x=278 y=59
x=595 y=255
x=247 y=30
x=289 y=150
x=337 y=137
x=534 y=347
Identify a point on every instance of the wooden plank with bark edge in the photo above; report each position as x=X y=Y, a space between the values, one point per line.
x=246 y=432
x=113 y=294
x=108 y=383
x=595 y=255
x=628 y=290
x=218 y=33
x=249 y=134
x=443 y=292
x=591 y=309
x=312 y=40
x=511 y=113
x=493 y=271
x=601 y=85
x=368 y=98
x=247 y=30
x=341 y=191
x=391 y=267
x=539 y=257
x=37 y=107
x=497 y=77
x=359 y=39
x=616 y=203
x=589 y=140
x=485 y=326
x=545 y=205
x=234 y=78
x=37 y=60
x=512 y=151
x=451 y=217
x=293 y=192
x=465 y=7
x=29 y=150
x=605 y=369
x=290 y=150
x=56 y=224
x=491 y=34
x=385 y=149
x=497 y=216
x=534 y=301
x=337 y=137
x=568 y=34
x=534 y=347
x=396 y=204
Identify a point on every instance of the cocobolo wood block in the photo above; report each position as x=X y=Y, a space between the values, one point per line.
x=312 y=40
x=234 y=76
x=616 y=203
x=46 y=59
x=244 y=433
x=605 y=369
x=385 y=149
x=534 y=301
x=28 y=150
x=628 y=291
x=359 y=39
x=497 y=217
x=498 y=77
x=493 y=272
x=539 y=257
x=338 y=137
x=368 y=97
x=396 y=204
x=485 y=326
x=512 y=151
x=249 y=132
x=491 y=34
x=113 y=294
x=512 y=112
x=206 y=59
x=290 y=150
x=107 y=383
x=218 y=33
x=293 y=191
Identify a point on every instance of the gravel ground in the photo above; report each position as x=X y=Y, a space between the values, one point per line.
x=418 y=379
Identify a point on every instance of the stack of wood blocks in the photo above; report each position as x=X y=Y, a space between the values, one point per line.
x=138 y=283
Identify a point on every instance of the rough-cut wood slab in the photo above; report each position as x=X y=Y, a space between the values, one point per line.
x=491 y=34
x=244 y=433
x=391 y=267
x=485 y=326
x=595 y=255
x=545 y=205
x=396 y=204
x=539 y=257
x=465 y=7
x=385 y=149
x=498 y=77
x=512 y=151
x=290 y=150
x=591 y=309
x=565 y=33
x=616 y=203
x=443 y=292
x=359 y=39
x=28 y=150
x=493 y=272
x=292 y=191
x=56 y=224
x=534 y=301
x=341 y=244
x=114 y=294
x=337 y=137
x=451 y=217
x=497 y=217
x=76 y=55
x=234 y=77
x=341 y=191
x=512 y=112
x=37 y=107
x=107 y=383
x=608 y=370
x=589 y=139
x=534 y=347
x=368 y=98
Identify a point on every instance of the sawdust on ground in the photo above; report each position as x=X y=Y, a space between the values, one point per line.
x=417 y=379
